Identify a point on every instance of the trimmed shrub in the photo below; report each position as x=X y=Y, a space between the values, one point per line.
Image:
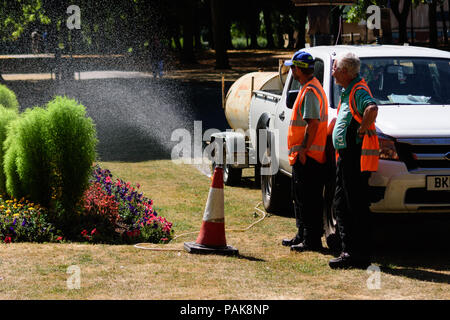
x=8 y=98
x=29 y=139
x=6 y=116
x=73 y=149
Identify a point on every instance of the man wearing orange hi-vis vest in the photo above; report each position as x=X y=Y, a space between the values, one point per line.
x=306 y=140
x=356 y=143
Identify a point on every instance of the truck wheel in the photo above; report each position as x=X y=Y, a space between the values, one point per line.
x=329 y=219
x=329 y=215
x=275 y=188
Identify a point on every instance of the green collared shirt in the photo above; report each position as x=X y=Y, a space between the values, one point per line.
x=363 y=99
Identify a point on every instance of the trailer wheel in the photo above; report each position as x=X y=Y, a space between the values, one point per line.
x=276 y=187
x=231 y=176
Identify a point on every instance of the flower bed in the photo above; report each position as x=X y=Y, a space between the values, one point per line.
x=111 y=211
x=21 y=220
x=127 y=208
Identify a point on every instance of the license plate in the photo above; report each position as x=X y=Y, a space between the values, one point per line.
x=438 y=183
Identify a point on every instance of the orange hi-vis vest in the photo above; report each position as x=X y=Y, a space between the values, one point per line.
x=297 y=126
x=370 y=146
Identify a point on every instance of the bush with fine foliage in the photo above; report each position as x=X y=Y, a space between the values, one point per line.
x=8 y=98
x=73 y=148
x=28 y=141
x=6 y=116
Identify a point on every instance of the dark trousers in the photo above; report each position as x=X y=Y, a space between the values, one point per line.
x=307 y=193
x=352 y=204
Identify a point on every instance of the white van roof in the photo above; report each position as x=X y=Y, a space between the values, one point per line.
x=363 y=51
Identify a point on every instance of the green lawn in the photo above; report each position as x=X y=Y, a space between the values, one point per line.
x=262 y=270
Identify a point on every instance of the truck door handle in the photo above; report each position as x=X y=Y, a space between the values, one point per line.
x=281 y=116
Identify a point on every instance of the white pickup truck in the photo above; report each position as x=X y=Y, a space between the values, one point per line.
x=412 y=88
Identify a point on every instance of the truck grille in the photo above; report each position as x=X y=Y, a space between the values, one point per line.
x=424 y=153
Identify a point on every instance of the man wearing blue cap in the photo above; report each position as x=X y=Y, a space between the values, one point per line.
x=306 y=144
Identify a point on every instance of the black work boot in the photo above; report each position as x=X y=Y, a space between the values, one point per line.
x=345 y=261
x=304 y=246
x=290 y=242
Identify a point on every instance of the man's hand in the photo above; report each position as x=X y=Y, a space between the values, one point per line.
x=369 y=116
x=302 y=155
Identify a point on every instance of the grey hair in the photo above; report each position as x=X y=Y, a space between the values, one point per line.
x=350 y=61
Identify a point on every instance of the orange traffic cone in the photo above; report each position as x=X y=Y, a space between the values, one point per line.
x=211 y=238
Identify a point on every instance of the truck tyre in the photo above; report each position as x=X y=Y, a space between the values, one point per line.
x=275 y=188
x=329 y=219
x=331 y=230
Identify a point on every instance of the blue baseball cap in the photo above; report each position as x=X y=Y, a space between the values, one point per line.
x=301 y=59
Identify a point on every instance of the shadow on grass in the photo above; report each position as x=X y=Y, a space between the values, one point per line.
x=248 y=183
x=406 y=244
x=249 y=258
x=418 y=274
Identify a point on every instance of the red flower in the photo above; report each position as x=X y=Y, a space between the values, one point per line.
x=84 y=232
x=94 y=231
x=8 y=240
x=59 y=238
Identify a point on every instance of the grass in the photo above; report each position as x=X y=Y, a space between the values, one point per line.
x=263 y=270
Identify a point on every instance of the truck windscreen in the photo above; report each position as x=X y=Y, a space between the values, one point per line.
x=405 y=80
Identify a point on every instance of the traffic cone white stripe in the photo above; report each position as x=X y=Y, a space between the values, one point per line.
x=214 y=210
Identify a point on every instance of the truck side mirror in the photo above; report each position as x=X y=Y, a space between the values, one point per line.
x=291 y=97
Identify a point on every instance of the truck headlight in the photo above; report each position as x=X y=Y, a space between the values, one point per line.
x=387 y=148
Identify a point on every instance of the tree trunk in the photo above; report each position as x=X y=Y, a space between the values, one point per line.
x=269 y=30
x=229 y=43
x=302 y=13
x=433 y=24
x=444 y=22
x=335 y=25
x=386 y=26
x=188 y=32
x=197 y=36
x=253 y=25
x=218 y=23
x=402 y=17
